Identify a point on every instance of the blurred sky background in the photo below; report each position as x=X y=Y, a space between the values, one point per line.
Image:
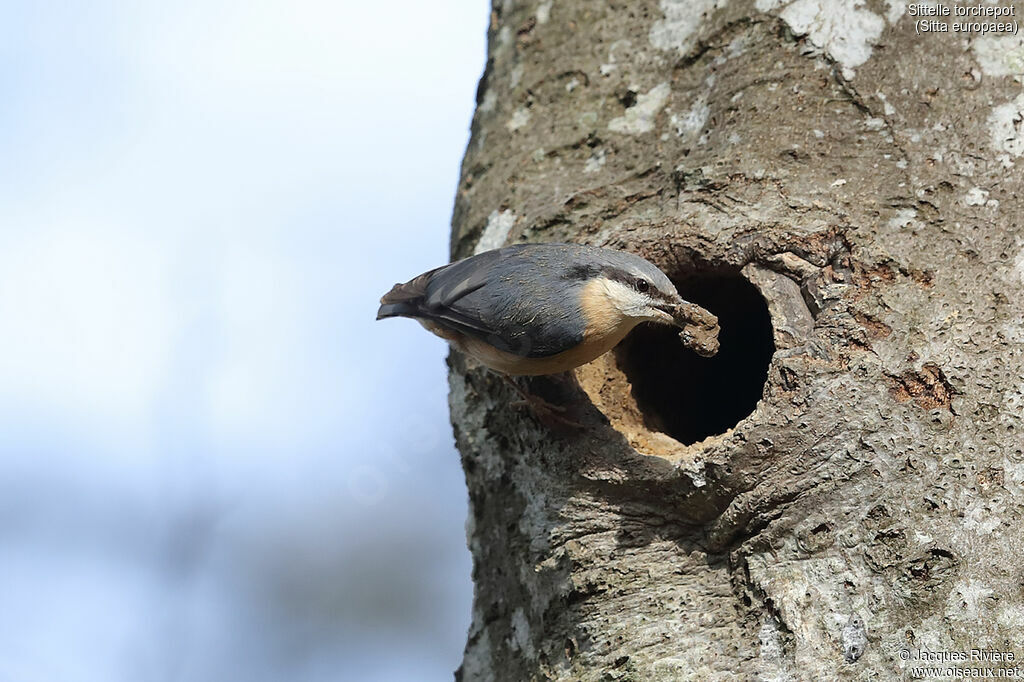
x=214 y=464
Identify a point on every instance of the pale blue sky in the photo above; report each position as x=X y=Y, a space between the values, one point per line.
x=214 y=464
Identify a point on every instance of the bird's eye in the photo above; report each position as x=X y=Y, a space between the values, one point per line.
x=642 y=285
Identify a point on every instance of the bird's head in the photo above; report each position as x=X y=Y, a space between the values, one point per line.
x=627 y=290
x=638 y=290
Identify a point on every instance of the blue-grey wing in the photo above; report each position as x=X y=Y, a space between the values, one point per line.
x=506 y=299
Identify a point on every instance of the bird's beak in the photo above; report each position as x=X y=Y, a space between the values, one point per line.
x=699 y=326
x=671 y=312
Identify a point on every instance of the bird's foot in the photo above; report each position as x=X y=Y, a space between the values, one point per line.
x=548 y=413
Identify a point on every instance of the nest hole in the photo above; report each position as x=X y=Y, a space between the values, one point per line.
x=689 y=397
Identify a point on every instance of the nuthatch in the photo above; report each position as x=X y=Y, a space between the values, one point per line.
x=535 y=309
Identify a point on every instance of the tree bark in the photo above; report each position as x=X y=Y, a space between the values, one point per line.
x=867 y=180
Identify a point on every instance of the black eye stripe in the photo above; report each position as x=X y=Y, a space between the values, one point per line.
x=659 y=295
x=632 y=280
x=580 y=272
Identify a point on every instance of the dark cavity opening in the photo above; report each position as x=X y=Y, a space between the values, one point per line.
x=689 y=397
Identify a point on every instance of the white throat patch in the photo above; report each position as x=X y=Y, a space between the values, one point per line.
x=627 y=300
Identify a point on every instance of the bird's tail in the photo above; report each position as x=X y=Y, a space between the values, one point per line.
x=404 y=299
x=395 y=310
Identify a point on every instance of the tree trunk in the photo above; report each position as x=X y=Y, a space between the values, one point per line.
x=841 y=489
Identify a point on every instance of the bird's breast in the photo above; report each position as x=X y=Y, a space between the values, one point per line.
x=501 y=361
x=603 y=318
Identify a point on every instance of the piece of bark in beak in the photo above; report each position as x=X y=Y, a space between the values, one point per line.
x=699 y=329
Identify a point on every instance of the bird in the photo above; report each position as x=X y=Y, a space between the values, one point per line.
x=546 y=308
